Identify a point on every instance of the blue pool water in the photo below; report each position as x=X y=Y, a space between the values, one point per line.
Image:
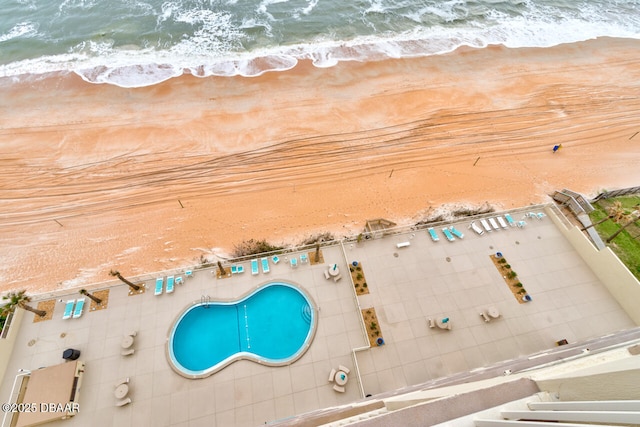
x=273 y=325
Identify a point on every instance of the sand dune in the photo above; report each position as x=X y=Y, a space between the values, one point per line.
x=98 y=177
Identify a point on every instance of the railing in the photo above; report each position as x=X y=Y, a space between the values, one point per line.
x=615 y=193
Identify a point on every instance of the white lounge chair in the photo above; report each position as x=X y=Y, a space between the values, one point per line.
x=502 y=222
x=68 y=309
x=475 y=228
x=170 y=282
x=77 y=312
x=485 y=225
x=403 y=244
x=123 y=402
x=494 y=224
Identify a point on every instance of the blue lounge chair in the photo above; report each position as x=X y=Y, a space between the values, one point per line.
x=510 y=220
x=433 y=234
x=456 y=233
x=254 y=267
x=234 y=269
x=179 y=280
x=448 y=234
x=159 y=285
x=265 y=265
x=188 y=273
x=68 y=309
x=275 y=259
x=170 y=281
x=240 y=269
x=304 y=259
x=540 y=215
x=294 y=262
x=77 y=312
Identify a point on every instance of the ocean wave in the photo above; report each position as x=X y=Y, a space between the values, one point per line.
x=22 y=29
x=214 y=48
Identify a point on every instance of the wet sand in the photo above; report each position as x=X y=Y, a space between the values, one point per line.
x=97 y=177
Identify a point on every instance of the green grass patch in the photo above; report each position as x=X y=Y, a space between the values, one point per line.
x=625 y=246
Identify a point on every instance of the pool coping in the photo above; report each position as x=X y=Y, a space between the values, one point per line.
x=244 y=355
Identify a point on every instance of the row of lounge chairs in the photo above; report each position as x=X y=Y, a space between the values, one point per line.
x=171 y=281
x=264 y=263
x=499 y=223
x=73 y=308
x=451 y=233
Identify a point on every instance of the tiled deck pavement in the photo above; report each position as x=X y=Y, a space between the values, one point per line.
x=458 y=280
x=568 y=302
x=243 y=394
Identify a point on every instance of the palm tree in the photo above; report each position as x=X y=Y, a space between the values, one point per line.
x=117 y=274
x=317 y=258
x=92 y=297
x=633 y=217
x=20 y=299
x=616 y=212
x=222 y=270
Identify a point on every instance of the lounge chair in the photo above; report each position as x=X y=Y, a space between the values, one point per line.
x=304 y=259
x=159 y=285
x=188 y=273
x=403 y=245
x=240 y=269
x=494 y=224
x=521 y=224
x=485 y=225
x=234 y=269
x=121 y=381
x=510 y=220
x=448 y=234
x=475 y=228
x=77 y=312
x=275 y=259
x=265 y=265
x=540 y=215
x=123 y=402
x=339 y=389
x=127 y=352
x=456 y=233
x=433 y=234
x=170 y=282
x=294 y=262
x=502 y=222
x=254 y=267
x=179 y=280
x=332 y=375
x=68 y=309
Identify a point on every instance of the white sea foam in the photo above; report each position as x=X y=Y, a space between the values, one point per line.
x=22 y=29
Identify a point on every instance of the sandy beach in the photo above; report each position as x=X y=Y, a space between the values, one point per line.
x=96 y=177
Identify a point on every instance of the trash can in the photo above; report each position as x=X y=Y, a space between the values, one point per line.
x=70 y=354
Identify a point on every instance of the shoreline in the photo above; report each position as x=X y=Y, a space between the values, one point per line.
x=99 y=177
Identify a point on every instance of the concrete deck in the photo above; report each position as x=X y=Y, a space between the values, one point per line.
x=427 y=279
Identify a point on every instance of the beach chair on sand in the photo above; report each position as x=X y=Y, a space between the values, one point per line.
x=77 y=312
x=448 y=234
x=159 y=285
x=456 y=233
x=170 y=281
x=254 y=267
x=265 y=265
x=68 y=309
x=510 y=220
x=433 y=234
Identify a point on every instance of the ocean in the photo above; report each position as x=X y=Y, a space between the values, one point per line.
x=135 y=43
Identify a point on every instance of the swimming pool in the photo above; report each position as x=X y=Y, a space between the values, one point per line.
x=272 y=325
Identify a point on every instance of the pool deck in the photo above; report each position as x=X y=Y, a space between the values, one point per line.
x=407 y=286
